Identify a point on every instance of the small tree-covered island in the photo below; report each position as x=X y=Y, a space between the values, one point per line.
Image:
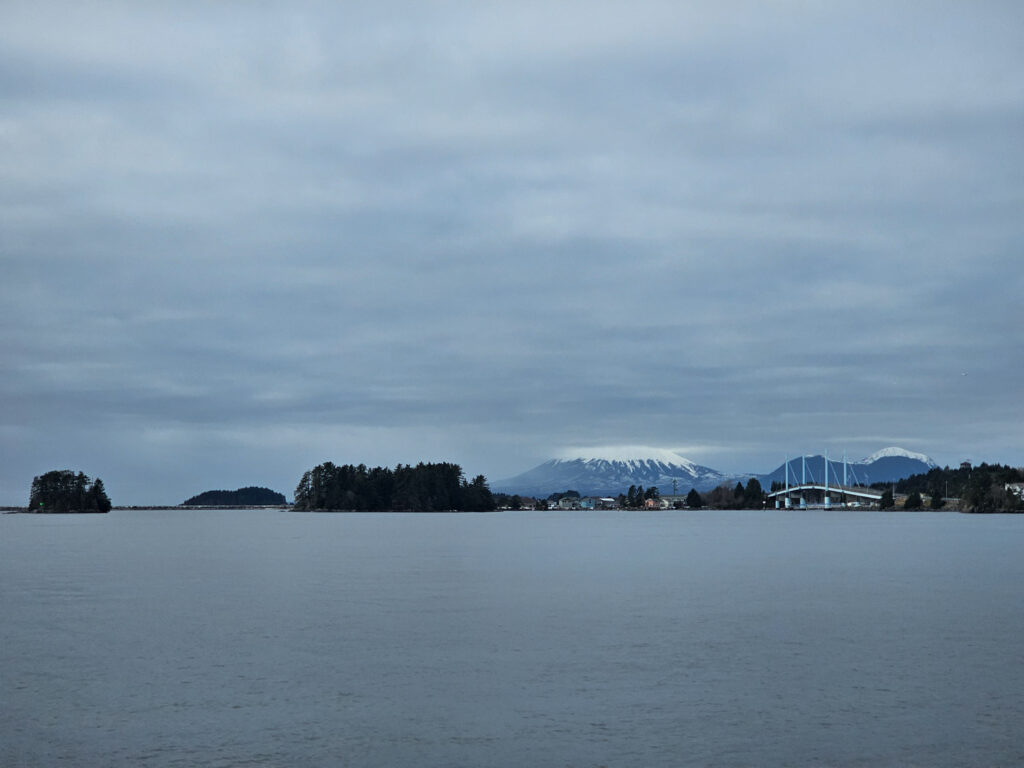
x=62 y=490
x=251 y=496
x=424 y=488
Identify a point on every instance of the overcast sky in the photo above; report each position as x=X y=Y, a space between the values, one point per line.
x=240 y=239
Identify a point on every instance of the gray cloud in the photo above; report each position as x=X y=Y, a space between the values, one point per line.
x=239 y=240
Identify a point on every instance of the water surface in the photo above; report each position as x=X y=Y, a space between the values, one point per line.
x=267 y=638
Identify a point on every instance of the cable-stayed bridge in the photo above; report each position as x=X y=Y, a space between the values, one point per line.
x=803 y=489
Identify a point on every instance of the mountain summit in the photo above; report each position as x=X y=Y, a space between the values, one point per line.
x=611 y=470
x=901 y=453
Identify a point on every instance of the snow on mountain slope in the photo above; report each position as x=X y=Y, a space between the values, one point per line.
x=631 y=455
x=610 y=471
x=894 y=452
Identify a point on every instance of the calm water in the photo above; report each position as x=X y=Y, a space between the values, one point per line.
x=270 y=638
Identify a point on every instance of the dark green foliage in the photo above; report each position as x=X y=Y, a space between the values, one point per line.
x=753 y=496
x=723 y=497
x=635 y=497
x=979 y=489
x=423 y=488
x=739 y=497
x=514 y=501
x=66 y=491
x=251 y=496
x=986 y=490
x=938 y=502
x=913 y=501
x=886 y=502
x=693 y=499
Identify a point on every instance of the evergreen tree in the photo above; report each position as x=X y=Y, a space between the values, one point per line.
x=423 y=488
x=693 y=499
x=66 y=491
x=98 y=497
x=631 y=497
x=886 y=502
x=913 y=501
x=753 y=496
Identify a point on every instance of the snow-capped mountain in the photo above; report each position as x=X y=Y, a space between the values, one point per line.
x=610 y=471
x=884 y=466
x=891 y=464
x=894 y=452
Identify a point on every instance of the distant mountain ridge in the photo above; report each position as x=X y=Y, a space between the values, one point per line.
x=884 y=466
x=610 y=471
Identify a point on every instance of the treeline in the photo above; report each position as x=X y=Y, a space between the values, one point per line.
x=62 y=490
x=250 y=496
x=979 y=489
x=749 y=496
x=423 y=488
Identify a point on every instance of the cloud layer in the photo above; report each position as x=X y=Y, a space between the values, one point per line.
x=237 y=240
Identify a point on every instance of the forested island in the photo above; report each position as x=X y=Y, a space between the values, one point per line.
x=421 y=488
x=63 y=490
x=251 y=496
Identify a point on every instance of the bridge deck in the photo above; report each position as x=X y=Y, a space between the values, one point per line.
x=848 y=490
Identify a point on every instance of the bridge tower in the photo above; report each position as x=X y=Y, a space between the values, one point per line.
x=803 y=481
x=828 y=500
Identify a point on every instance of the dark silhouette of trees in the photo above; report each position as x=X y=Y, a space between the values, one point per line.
x=886 y=502
x=979 y=488
x=753 y=495
x=738 y=497
x=693 y=499
x=722 y=497
x=423 y=488
x=636 y=497
x=250 y=496
x=913 y=501
x=65 y=491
